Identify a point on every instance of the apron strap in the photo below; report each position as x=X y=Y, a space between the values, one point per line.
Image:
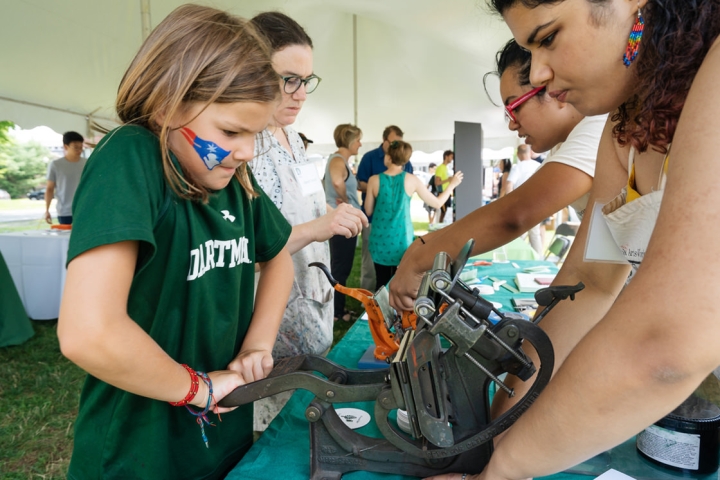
x=663 y=172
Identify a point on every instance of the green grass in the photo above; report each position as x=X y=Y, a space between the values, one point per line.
x=21 y=204
x=39 y=394
x=23 y=225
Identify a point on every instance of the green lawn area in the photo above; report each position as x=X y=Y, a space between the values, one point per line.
x=39 y=393
x=21 y=204
x=8 y=227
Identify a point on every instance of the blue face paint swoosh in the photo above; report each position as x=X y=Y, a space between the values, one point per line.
x=210 y=152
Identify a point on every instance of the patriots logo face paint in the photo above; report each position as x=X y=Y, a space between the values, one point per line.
x=210 y=152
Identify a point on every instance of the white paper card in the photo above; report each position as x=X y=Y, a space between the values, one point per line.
x=600 y=245
x=307 y=177
x=353 y=417
x=614 y=475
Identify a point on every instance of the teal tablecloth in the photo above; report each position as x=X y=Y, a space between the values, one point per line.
x=15 y=327
x=283 y=450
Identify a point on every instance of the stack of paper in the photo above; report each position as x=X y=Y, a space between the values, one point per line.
x=532 y=282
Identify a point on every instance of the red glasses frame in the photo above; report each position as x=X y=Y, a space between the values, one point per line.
x=510 y=107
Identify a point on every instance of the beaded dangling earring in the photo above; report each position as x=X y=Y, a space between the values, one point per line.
x=634 y=40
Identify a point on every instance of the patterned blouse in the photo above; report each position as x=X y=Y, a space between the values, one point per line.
x=268 y=148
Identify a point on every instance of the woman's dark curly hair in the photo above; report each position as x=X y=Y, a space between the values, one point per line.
x=677 y=36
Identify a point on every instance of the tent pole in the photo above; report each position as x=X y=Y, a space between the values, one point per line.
x=355 y=72
x=145 y=18
x=63 y=110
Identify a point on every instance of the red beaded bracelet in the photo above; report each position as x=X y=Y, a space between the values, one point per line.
x=194 y=385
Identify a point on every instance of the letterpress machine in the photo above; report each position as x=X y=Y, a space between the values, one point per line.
x=446 y=363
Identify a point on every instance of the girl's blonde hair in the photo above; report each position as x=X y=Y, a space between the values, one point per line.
x=400 y=152
x=196 y=54
x=345 y=134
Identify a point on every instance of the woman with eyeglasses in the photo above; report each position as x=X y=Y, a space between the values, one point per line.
x=625 y=354
x=565 y=178
x=293 y=184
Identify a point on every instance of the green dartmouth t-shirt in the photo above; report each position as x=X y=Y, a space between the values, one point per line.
x=192 y=293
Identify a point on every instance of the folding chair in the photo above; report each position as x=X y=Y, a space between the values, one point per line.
x=568 y=229
x=558 y=247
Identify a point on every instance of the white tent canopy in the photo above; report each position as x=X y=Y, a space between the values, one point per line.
x=414 y=63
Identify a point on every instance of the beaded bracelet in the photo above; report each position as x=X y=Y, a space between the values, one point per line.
x=194 y=385
x=202 y=418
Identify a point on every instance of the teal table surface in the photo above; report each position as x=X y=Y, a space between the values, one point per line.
x=518 y=249
x=15 y=327
x=283 y=450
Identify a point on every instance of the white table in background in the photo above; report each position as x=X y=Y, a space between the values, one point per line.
x=36 y=260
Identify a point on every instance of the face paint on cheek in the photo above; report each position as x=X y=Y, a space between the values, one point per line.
x=210 y=152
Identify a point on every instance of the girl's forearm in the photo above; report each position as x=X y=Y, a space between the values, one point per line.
x=443 y=197
x=96 y=333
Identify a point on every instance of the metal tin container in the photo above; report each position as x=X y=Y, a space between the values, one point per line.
x=688 y=439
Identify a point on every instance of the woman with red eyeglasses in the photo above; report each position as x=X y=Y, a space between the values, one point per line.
x=565 y=177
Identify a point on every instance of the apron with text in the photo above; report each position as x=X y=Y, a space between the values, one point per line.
x=631 y=218
x=307 y=325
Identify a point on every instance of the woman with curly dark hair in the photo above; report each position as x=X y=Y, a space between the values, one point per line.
x=627 y=359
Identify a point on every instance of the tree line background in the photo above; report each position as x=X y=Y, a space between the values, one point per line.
x=22 y=165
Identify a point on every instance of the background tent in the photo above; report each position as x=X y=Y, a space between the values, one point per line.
x=415 y=63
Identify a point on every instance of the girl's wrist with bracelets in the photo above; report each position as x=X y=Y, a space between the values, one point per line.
x=201 y=416
x=201 y=399
x=194 y=386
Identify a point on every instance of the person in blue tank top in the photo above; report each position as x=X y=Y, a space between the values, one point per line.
x=388 y=201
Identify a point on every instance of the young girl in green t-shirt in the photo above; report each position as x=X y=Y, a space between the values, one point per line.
x=167 y=232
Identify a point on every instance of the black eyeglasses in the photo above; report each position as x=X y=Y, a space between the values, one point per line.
x=293 y=83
